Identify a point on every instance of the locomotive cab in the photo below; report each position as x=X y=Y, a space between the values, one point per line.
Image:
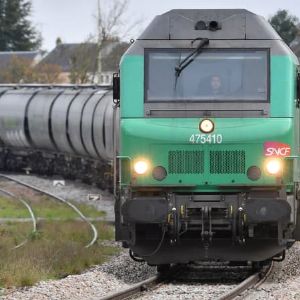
x=207 y=162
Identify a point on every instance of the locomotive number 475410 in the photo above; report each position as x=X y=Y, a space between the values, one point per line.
x=206 y=139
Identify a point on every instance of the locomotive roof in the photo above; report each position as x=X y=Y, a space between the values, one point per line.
x=232 y=24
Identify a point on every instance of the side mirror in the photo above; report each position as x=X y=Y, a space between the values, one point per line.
x=116 y=88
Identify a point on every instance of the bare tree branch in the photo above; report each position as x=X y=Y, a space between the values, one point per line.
x=113 y=25
x=113 y=21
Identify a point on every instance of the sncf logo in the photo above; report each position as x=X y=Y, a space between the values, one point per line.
x=276 y=149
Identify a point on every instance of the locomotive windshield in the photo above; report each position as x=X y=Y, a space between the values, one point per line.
x=215 y=75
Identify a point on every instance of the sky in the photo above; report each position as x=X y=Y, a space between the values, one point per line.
x=74 y=21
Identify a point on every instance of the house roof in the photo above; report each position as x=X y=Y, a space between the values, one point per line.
x=63 y=53
x=66 y=55
x=6 y=56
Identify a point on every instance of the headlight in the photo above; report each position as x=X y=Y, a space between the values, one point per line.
x=274 y=166
x=207 y=126
x=159 y=173
x=141 y=167
x=254 y=173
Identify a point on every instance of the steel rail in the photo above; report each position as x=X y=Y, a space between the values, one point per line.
x=82 y=216
x=33 y=218
x=266 y=275
x=252 y=281
x=133 y=289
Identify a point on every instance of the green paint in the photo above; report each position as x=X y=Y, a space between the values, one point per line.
x=154 y=138
x=132 y=87
x=283 y=72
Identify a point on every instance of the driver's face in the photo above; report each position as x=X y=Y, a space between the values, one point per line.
x=215 y=82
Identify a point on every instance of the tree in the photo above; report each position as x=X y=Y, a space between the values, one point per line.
x=285 y=24
x=112 y=25
x=47 y=73
x=113 y=20
x=85 y=56
x=82 y=61
x=22 y=70
x=16 y=30
x=58 y=41
x=18 y=70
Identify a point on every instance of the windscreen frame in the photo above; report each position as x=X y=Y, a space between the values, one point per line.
x=148 y=51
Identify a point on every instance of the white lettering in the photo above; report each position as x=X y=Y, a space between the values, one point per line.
x=206 y=139
x=278 y=151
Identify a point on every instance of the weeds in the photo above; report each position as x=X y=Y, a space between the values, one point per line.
x=55 y=251
x=45 y=207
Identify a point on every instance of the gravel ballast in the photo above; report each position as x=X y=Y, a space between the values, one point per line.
x=284 y=280
x=116 y=274
x=193 y=291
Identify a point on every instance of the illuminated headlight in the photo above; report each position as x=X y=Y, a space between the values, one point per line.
x=141 y=167
x=274 y=166
x=206 y=126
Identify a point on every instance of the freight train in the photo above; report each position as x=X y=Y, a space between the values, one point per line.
x=65 y=130
x=207 y=165
x=203 y=130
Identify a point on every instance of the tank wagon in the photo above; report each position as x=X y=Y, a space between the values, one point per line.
x=208 y=162
x=38 y=124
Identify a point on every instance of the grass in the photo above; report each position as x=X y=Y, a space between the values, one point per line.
x=45 y=207
x=56 y=251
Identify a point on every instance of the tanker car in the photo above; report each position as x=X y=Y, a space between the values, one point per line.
x=207 y=165
x=65 y=130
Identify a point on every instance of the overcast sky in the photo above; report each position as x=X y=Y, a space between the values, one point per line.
x=74 y=20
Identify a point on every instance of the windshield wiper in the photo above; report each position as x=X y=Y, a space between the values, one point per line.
x=191 y=57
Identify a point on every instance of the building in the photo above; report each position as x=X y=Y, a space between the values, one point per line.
x=79 y=62
x=6 y=57
x=18 y=66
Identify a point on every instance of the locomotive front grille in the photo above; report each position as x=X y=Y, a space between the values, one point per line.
x=227 y=162
x=220 y=162
x=186 y=162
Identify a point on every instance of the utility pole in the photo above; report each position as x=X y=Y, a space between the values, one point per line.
x=99 y=42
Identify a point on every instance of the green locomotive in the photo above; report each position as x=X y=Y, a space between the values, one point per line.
x=207 y=163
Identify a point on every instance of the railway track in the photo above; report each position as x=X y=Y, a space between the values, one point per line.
x=135 y=289
x=30 y=210
x=154 y=283
x=253 y=281
x=59 y=199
